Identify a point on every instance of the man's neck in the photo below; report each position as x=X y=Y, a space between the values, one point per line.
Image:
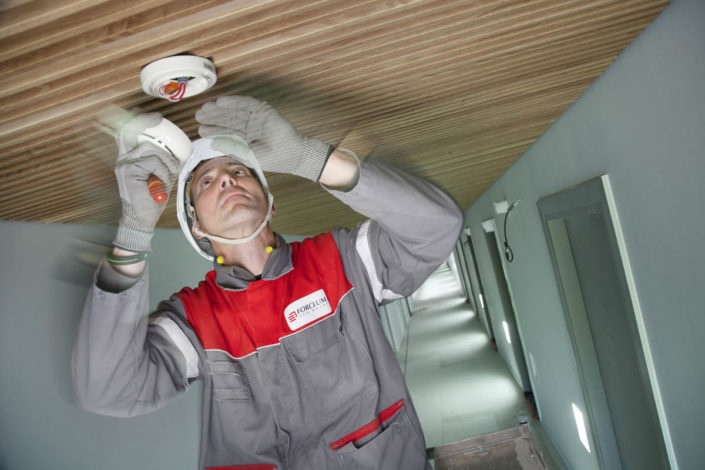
x=251 y=256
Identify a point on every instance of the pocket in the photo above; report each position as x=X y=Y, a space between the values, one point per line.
x=229 y=382
x=389 y=441
x=335 y=366
x=315 y=339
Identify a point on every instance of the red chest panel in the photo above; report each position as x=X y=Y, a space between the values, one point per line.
x=239 y=322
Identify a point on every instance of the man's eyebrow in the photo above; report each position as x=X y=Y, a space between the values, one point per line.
x=200 y=172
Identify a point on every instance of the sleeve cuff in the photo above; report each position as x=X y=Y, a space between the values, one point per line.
x=110 y=280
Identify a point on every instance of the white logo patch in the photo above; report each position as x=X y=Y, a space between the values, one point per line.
x=307 y=309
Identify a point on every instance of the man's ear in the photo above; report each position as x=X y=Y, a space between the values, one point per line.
x=274 y=209
x=193 y=232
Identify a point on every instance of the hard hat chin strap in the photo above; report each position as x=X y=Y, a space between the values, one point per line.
x=232 y=241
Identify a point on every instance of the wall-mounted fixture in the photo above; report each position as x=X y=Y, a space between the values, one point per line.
x=503 y=207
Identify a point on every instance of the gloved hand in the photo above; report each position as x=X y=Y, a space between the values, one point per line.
x=135 y=163
x=278 y=146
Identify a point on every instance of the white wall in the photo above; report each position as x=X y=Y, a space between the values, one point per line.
x=643 y=123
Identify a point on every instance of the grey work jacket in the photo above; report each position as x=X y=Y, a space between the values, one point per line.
x=128 y=362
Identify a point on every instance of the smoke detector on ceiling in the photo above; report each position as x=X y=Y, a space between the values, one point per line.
x=178 y=77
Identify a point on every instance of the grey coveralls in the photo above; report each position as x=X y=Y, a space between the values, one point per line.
x=330 y=395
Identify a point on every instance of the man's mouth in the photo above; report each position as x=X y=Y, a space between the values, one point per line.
x=233 y=195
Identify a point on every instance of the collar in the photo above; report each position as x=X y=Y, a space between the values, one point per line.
x=236 y=278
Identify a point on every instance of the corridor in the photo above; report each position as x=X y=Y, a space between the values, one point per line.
x=460 y=386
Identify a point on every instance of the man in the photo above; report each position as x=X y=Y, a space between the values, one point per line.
x=287 y=337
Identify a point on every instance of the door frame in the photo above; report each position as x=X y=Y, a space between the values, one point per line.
x=592 y=197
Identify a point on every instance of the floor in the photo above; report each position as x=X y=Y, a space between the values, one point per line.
x=460 y=386
x=511 y=449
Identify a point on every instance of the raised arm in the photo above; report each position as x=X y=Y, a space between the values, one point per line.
x=412 y=228
x=123 y=363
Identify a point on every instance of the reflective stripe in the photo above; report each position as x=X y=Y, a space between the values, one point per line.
x=182 y=343
x=362 y=244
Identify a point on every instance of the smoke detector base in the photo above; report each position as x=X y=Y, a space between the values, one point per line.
x=178 y=77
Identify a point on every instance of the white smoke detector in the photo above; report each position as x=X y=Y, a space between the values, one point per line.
x=178 y=77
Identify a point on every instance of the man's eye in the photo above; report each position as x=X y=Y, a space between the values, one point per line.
x=239 y=172
x=206 y=181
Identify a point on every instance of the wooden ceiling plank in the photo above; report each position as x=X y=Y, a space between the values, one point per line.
x=69 y=150
x=9 y=4
x=456 y=116
x=37 y=93
x=367 y=34
x=508 y=91
x=476 y=138
x=141 y=23
x=96 y=77
x=39 y=12
x=57 y=172
x=54 y=90
x=272 y=59
x=95 y=195
x=165 y=33
x=61 y=111
x=92 y=25
x=539 y=60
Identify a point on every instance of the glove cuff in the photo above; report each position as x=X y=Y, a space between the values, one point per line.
x=313 y=158
x=132 y=239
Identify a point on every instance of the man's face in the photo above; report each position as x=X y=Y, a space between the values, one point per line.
x=228 y=198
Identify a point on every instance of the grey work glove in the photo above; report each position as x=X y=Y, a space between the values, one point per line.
x=135 y=164
x=278 y=146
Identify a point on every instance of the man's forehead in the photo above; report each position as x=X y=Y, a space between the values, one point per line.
x=209 y=164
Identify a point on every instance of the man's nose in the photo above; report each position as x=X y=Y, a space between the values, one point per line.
x=226 y=179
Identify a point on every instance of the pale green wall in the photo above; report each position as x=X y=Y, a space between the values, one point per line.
x=42 y=288
x=643 y=123
x=395 y=318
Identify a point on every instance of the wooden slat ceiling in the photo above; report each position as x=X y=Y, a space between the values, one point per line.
x=455 y=91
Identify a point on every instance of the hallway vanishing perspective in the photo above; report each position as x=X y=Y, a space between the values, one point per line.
x=460 y=386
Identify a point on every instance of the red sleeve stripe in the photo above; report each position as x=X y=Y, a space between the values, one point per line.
x=370 y=427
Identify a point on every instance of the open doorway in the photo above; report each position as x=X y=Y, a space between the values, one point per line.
x=506 y=328
x=622 y=419
x=467 y=253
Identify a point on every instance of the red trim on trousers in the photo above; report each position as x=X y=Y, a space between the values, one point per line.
x=370 y=427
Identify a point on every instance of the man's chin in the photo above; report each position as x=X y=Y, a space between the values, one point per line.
x=239 y=230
